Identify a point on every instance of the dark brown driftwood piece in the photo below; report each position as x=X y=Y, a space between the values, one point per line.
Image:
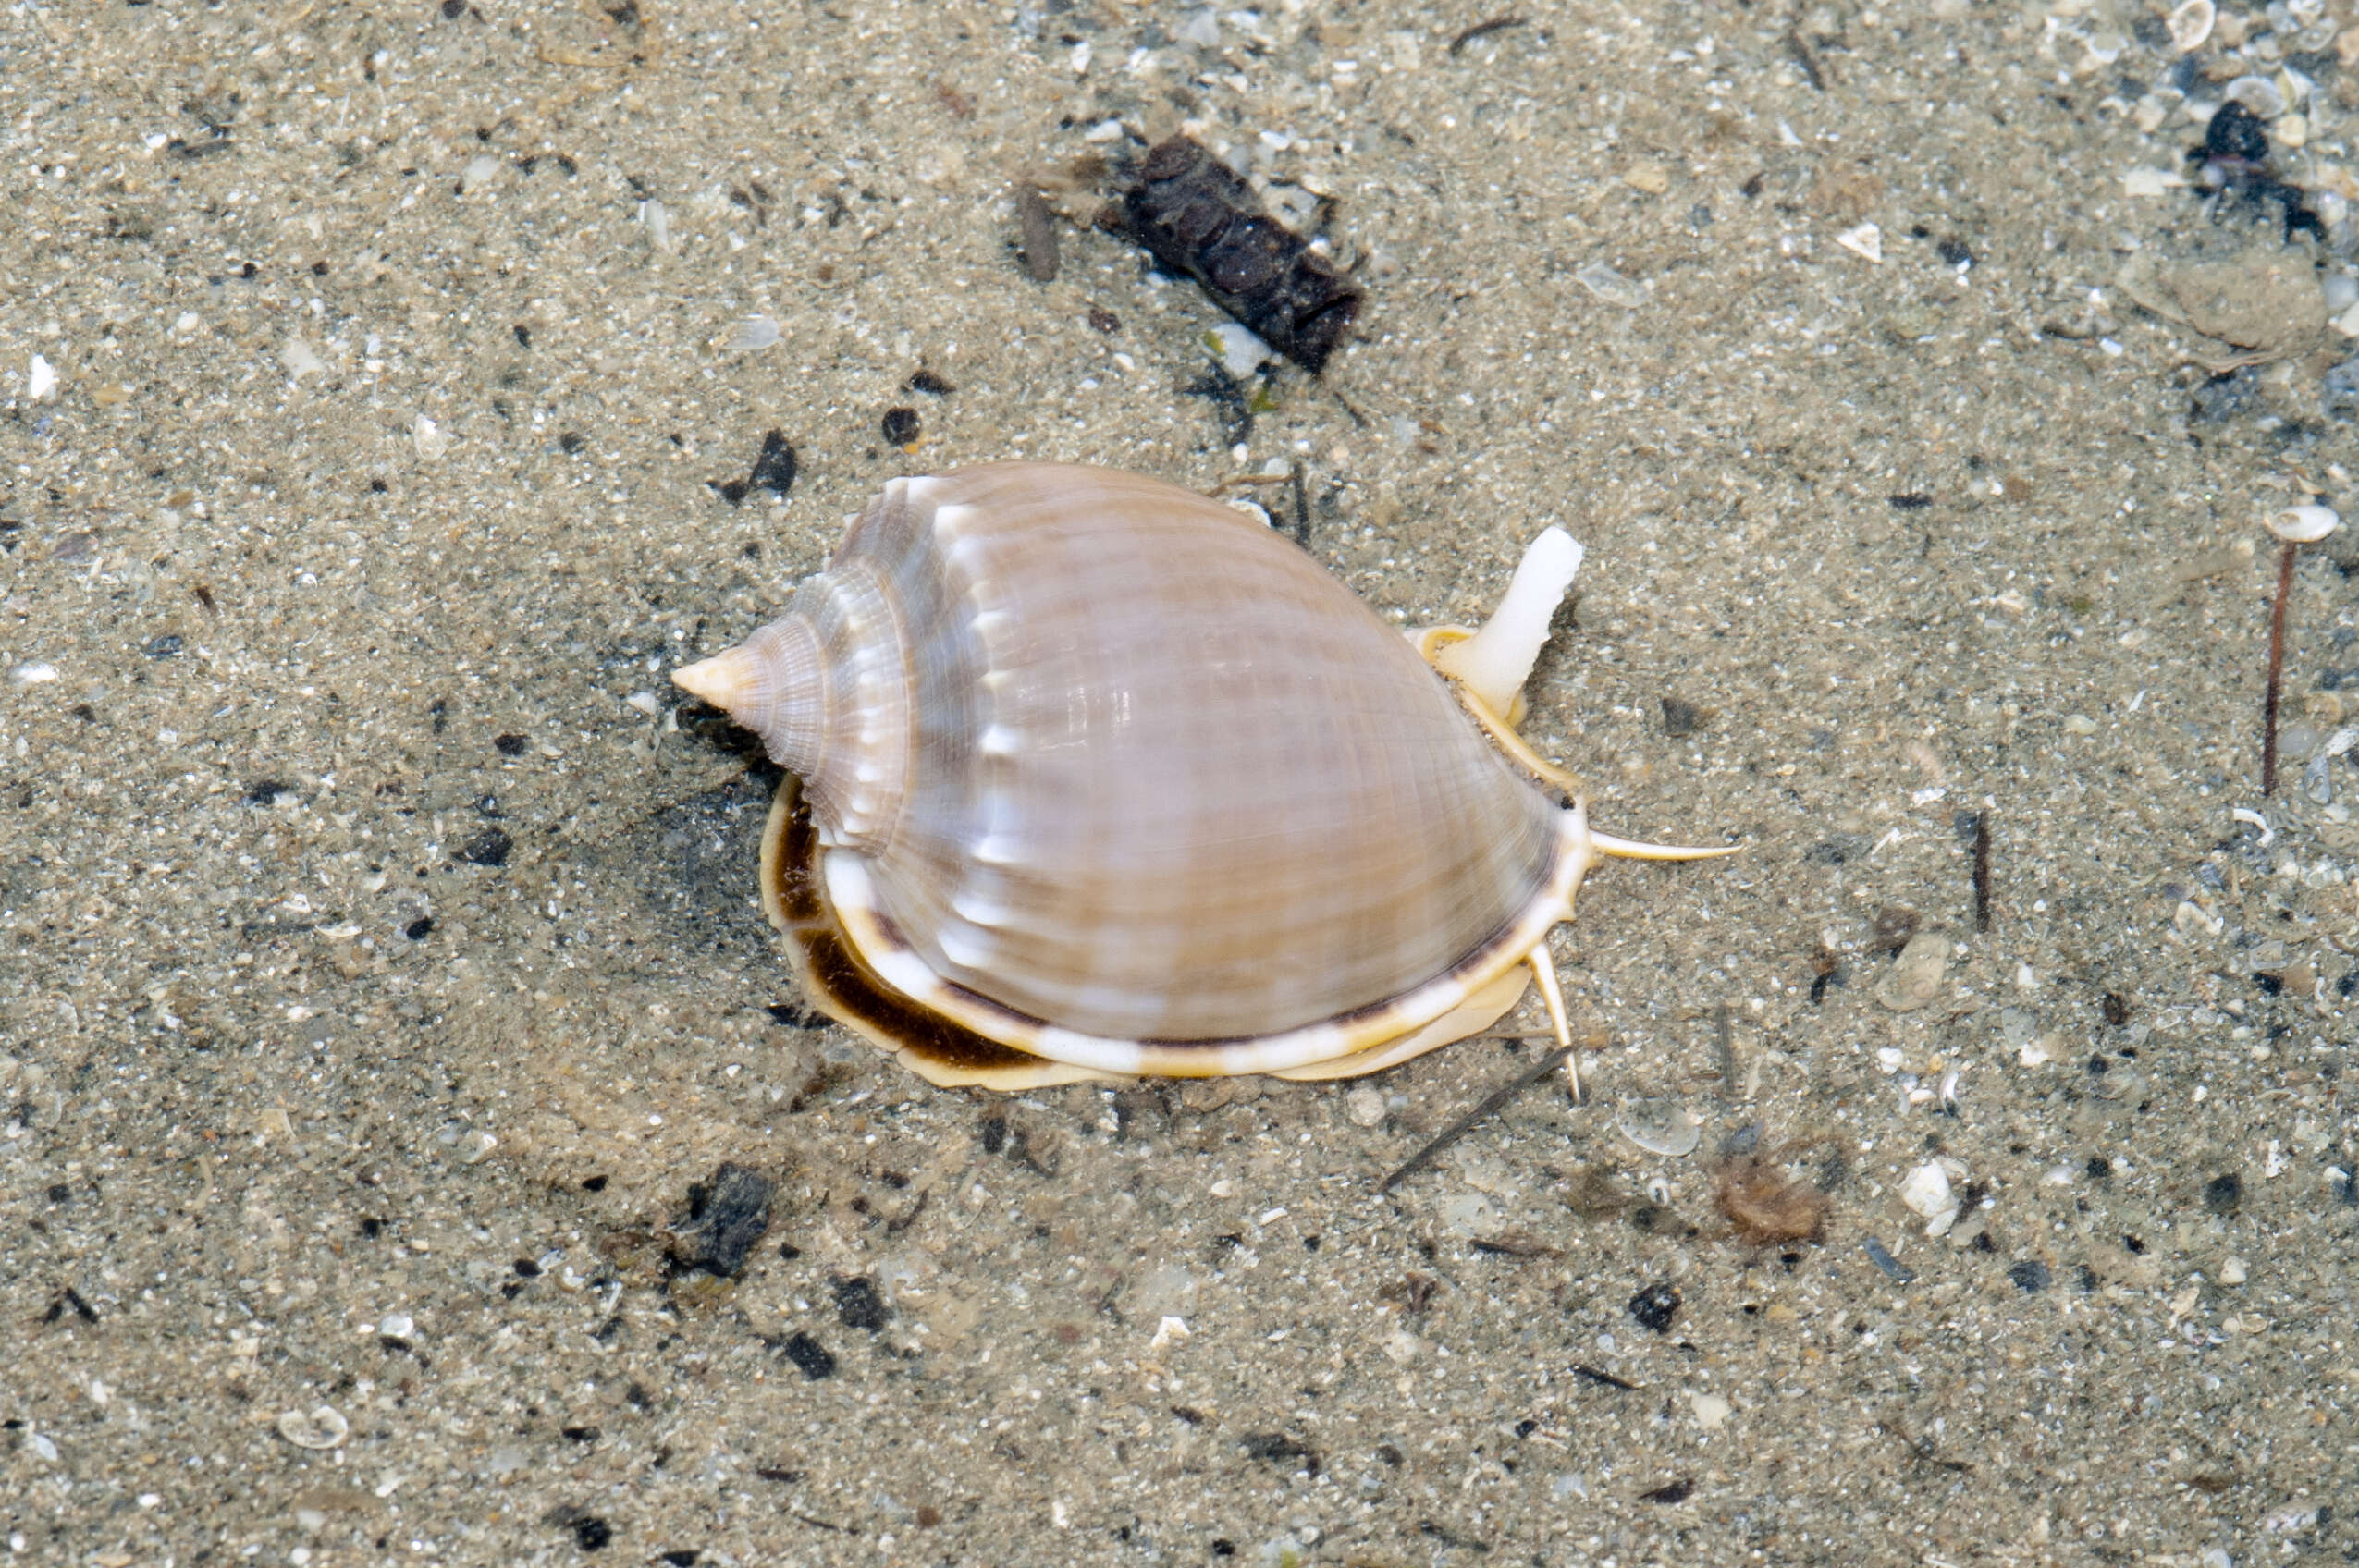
x=1197 y=217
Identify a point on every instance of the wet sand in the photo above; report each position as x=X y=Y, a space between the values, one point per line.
x=385 y=964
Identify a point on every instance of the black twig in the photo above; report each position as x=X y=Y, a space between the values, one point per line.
x=1490 y=1103
x=2277 y=668
x=1982 y=871
x=1807 y=57
x=1723 y=1040
x=1496 y=24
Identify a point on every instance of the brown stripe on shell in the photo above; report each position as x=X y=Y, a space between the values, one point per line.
x=840 y=985
x=836 y=979
x=1430 y=1014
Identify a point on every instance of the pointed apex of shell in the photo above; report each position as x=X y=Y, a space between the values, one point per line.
x=728 y=680
x=774 y=684
x=1493 y=662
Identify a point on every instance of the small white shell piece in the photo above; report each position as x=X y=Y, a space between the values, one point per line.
x=2303 y=525
x=2190 y=24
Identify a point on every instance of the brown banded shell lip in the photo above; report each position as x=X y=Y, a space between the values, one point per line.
x=835 y=975
x=832 y=975
x=844 y=883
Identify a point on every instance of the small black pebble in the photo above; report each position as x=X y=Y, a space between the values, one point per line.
x=524 y=335
x=2096 y=1067
x=319 y=269
x=590 y=1532
x=453 y=9
x=416 y=930
x=2270 y=985
x=579 y=1434
x=1224 y=1548
x=726 y=1216
x=1655 y=1306
x=773 y=467
x=796 y=1017
x=1954 y=252
x=60 y=1193
x=163 y=648
x=1278 y=1446
x=1677 y=1491
x=490 y=846
x=527 y=1268
x=2238 y=133
x=1914 y=501
x=900 y=426
x=509 y=745
x=683 y=1558
x=372 y=1228
x=265 y=791
x=810 y=1355
x=2030 y=1276
x=2224 y=1195
x=1679 y=716
x=2099 y=1168
x=994 y=1133
x=2117 y=1009
x=857 y=1304
x=933 y=385
x=593 y=1183
x=571 y=442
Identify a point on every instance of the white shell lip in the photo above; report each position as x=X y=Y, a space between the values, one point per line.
x=871 y=932
x=2303 y=525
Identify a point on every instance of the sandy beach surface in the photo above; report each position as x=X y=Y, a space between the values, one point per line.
x=386 y=991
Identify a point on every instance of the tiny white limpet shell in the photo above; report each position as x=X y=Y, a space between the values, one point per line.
x=1664 y=1127
x=2190 y=24
x=321 y=1426
x=2303 y=525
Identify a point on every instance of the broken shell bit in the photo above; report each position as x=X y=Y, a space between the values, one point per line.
x=1661 y=1127
x=1089 y=776
x=321 y=1426
x=2190 y=24
x=2303 y=525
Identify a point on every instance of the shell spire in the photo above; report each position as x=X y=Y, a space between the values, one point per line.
x=775 y=683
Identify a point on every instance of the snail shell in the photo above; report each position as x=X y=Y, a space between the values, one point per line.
x=1092 y=775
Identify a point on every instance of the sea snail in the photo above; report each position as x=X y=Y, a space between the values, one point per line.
x=1091 y=775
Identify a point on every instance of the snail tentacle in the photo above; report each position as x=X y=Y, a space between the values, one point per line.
x=1631 y=848
x=1552 y=996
